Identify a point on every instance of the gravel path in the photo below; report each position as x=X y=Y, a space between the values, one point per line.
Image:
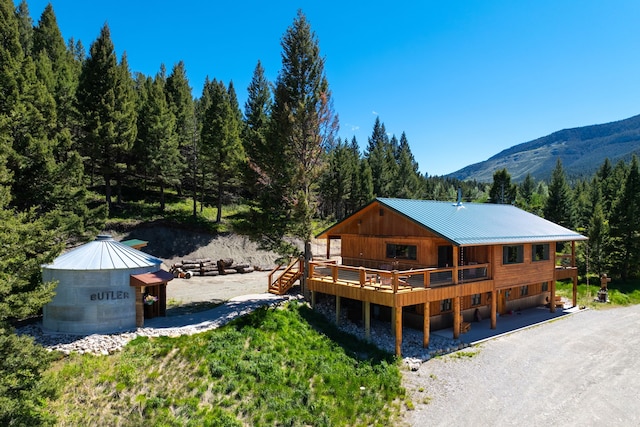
x=579 y=370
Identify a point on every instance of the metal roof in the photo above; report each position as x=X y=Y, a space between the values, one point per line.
x=104 y=253
x=466 y=224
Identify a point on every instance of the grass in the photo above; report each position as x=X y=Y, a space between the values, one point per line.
x=274 y=367
x=620 y=293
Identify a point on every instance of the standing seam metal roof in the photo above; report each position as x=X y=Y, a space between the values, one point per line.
x=480 y=223
x=104 y=253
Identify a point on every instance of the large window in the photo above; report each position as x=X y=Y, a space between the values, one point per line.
x=402 y=251
x=513 y=254
x=540 y=252
x=445 y=305
x=476 y=299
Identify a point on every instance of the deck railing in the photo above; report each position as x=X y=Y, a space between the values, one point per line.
x=396 y=279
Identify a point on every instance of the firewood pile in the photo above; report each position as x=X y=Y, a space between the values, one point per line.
x=208 y=267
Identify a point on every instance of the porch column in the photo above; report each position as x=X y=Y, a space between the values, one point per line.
x=456 y=317
x=313 y=300
x=552 y=297
x=456 y=260
x=398 y=329
x=337 y=309
x=494 y=308
x=367 y=320
x=425 y=324
x=328 y=247
x=139 y=293
x=575 y=290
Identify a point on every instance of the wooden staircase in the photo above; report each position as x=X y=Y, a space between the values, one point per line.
x=286 y=278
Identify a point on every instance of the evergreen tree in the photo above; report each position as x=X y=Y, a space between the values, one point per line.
x=125 y=122
x=526 y=190
x=257 y=111
x=25 y=27
x=221 y=144
x=625 y=225
x=378 y=154
x=47 y=39
x=11 y=55
x=304 y=124
x=337 y=179
x=105 y=98
x=157 y=140
x=407 y=180
x=560 y=206
x=181 y=103
x=598 y=231
x=502 y=191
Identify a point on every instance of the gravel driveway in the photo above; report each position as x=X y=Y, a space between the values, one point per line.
x=579 y=370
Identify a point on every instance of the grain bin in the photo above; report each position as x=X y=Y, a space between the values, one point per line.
x=93 y=294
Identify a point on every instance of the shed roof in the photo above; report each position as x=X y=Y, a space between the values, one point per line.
x=472 y=224
x=103 y=253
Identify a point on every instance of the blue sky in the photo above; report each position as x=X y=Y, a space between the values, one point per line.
x=464 y=79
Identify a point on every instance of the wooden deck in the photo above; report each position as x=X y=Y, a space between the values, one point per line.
x=398 y=289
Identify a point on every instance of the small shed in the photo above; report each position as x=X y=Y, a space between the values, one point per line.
x=96 y=292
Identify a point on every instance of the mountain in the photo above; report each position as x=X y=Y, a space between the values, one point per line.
x=582 y=151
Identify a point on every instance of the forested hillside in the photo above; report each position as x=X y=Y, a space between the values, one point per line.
x=581 y=150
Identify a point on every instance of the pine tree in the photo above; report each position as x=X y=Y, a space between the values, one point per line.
x=625 y=225
x=502 y=191
x=560 y=206
x=11 y=55
x=124 y=123
x=303 y=125
x=106 y=100
x=181 y=103
x=525 y=191
x=407 y=183
x=157 y=143
x=257 y=111
x=25 y=27
x=377 y=154
x=221 y=144
x=598 y=231
x=47 y=39
x=337 y=179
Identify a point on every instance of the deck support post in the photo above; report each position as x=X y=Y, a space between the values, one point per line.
x=575 y=290
x=456 y=317
x=552 y=297
x=337 y=309
x=398 y=329
x=367 y=320
x=494 y=308
x=425 y=325
x=313 y=300
x=393 y=322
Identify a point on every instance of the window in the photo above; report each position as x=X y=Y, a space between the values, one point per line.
x=512 y=254
x=540 y=252
x=476 y=299
x=545 y=286
x=445 y=305
x=402 y=251
x=524 y=291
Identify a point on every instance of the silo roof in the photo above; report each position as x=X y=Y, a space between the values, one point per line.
x=104 y=253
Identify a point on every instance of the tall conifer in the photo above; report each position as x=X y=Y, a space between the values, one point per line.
x=304 y=124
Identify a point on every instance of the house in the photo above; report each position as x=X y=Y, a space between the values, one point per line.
x=442 y=262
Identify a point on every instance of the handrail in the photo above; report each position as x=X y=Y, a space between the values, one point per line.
x=278 y=282
x=396 y=279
